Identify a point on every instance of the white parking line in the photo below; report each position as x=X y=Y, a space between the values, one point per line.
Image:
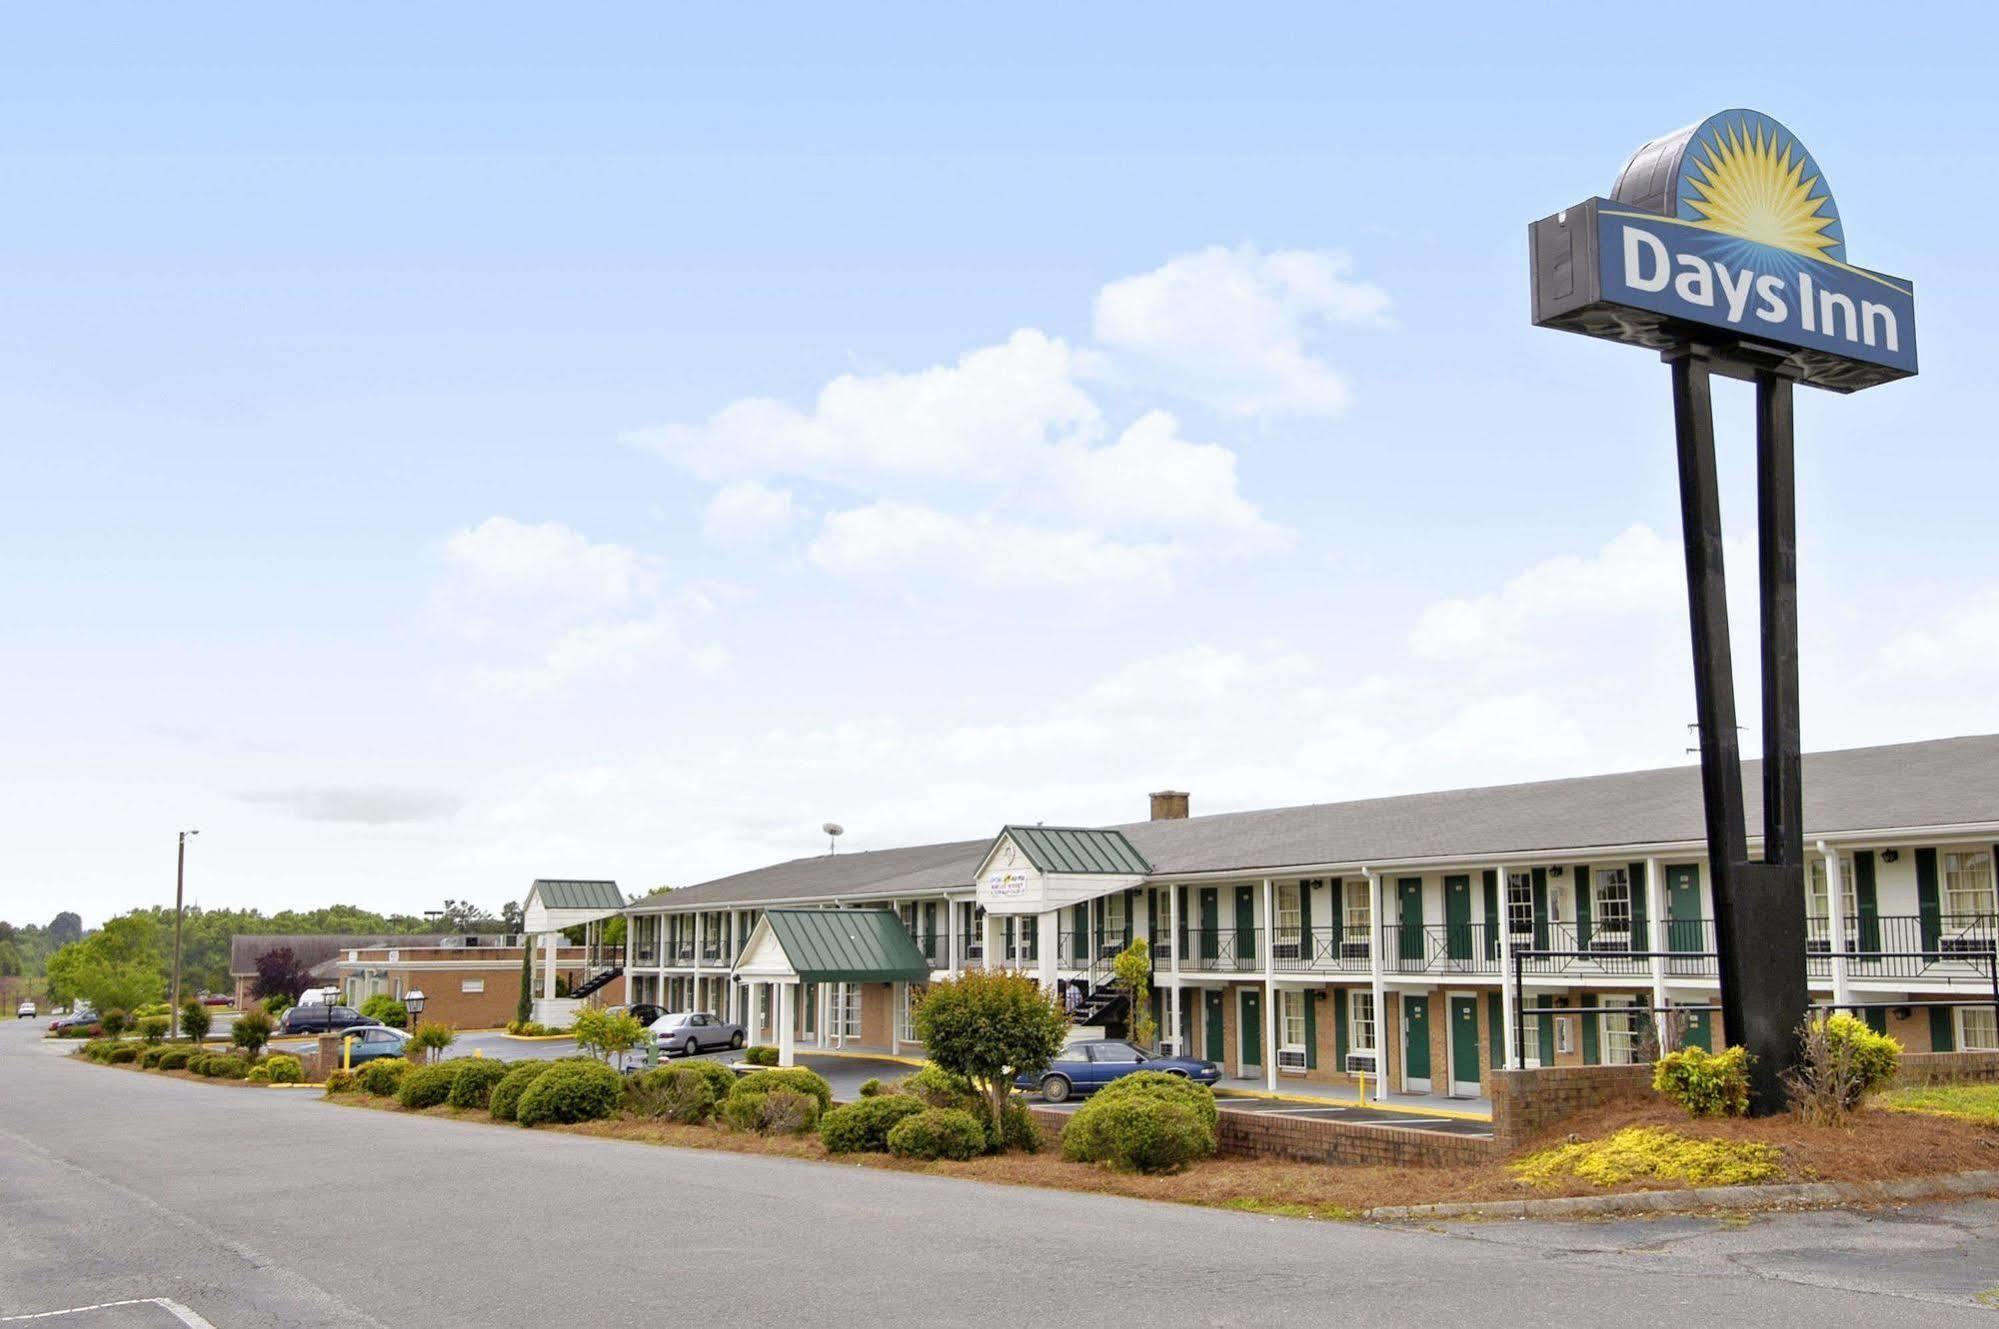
x=167 y=1304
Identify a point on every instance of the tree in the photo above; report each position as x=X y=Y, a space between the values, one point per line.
x=194 y=1019
x=1133 y=967
x=11 y=965
x=511 y=916
x=64 y=929
x=430 y=1038
x=279 y=974
x=988 y=1028
x=464 y=916
x=607 y=1035
x=524 y=1005
x=250 y=1031
x=120 y=966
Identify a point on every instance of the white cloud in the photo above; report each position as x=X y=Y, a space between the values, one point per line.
x=510 y=555
x=746 y=513
x=619 y=649
x=1236 y=327
x=1153 y=477
x=1965 y=644
x=907 y=540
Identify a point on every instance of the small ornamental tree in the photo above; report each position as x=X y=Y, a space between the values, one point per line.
x=988 y=1028
x=607 y=1035
x=250 y=1031
x=428 y=1041
x=194 y=1019
x=279 y=974
x=1133 y=967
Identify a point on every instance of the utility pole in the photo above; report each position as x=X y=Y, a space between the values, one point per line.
x=180 y=884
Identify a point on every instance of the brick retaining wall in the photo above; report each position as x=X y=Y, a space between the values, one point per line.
x=1925 y=1068
x=1303 y=1140
x=1527 y=1103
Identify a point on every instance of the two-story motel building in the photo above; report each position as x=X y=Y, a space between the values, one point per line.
x=1306 y=942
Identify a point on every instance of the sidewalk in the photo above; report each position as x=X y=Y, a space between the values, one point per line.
x=1291 y=1088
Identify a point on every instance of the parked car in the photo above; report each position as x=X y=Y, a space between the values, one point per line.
x=25 y=1011
x=214 y=999
x=81 y=1018
x=642 y=1011
x=687 y=1032
x=374 y=1042
x=322 y=1020
x=1092 y=1063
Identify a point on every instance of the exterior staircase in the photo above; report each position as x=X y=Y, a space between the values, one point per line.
x=1105 y=1005
x=596 y=981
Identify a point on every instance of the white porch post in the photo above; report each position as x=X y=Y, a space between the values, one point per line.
x=992 y=943
x=1269 y=949
x=951 y=936
x=897 y=994
x=840 y=1019
x=787 y=993
x=548 y=965
x=1047 y=945
x=1509 y=991
x=1655 y=942
x=1379 y=983
x=1835 y=908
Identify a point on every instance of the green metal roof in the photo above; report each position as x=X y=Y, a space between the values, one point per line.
x=1078 y=849
x=848 y=946
x=579 y=894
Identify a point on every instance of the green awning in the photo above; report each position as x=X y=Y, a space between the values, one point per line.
x=848 y=946
x=1079 y=849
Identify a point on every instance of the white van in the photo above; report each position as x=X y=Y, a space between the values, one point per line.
x=319 y=997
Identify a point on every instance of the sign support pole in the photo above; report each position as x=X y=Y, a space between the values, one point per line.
x=1759 y=906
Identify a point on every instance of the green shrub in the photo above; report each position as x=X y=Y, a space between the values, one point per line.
x=387 y=1009
x=428 y=1041
x=1840 y=1062
x=476 y=1078
x=342 y=1082
x=384 y=1076
x=1196 y=1098
x=774 y=1110
x=571 y=1090
x=684 y=1093
x=122 y=1055
x=506 y=1095
x=196 y=1060
x=939 y=1088
x=149 y=1057
x=153 y=1028
x=95 y=1049
x=216 y=1066
x=794 y=1078
x=1705 y=1084
x=760 y=1055
x=427 y=1086
x=151 y=1008
x=251 y=1031
x=259 y=1074
x=277 y=1004
x=1018 y=1129
x=174 y=1059
x=1137 y=1134
x=285 y=1069
x=863 y=1127
x=115 y=1022
x=194 y=1019
x=938 y=1133
x=872 y=1086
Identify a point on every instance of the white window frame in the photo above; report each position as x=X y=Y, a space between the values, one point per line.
x=1618 y=1031
x=1520 y=904
x=1290 y=909
x=1361 y=1025
x=1967 y=884
x=1357 y=913
x=1291 y=1054
x=1114 y=917
x=472 y=985
x=1987 y=1037
x=1604 y=883
x=905 y=1025
x=847 y=1009
x=1818 y=892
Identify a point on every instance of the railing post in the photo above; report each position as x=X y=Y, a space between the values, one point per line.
x=1509 y=1003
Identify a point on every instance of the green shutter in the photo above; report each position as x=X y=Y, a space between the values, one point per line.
x=1943 y=1038
x=1307 y=952
x=1865 y=900
x=1337 y=899
x=1495 y=1028
x=930 y=927
x=1245 y=925
x=1492 y=915
x=1541 y=912
x=1641 y=930
x=1547 y=1023
x=1929 y=907
x=1079 y=939
x=1311 y=1030
x=1876 y=1017
x=1591 y=1052
x=1579 y=874
x=1130 y=913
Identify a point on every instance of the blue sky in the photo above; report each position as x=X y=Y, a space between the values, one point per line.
x=446 y=448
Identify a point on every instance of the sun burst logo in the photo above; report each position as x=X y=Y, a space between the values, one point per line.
x=1746 y=176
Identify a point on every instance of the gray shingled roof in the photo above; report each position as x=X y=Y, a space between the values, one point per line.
x=1942 y=782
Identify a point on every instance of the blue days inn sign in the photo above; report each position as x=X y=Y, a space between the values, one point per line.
x=1725 y=234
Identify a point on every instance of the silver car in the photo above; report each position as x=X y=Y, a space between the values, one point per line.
x=683 y=1033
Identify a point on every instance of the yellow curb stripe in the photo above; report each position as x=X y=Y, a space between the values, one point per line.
x=869 y=1056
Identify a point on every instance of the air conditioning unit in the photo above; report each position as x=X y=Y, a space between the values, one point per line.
x=1360 y=1063
x=1354 y=950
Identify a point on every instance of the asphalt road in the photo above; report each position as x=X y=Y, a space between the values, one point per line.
x=257 y=1207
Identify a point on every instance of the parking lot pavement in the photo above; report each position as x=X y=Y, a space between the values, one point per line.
x=141 y=1313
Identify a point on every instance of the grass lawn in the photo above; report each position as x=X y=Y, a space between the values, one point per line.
x=1967 y=1102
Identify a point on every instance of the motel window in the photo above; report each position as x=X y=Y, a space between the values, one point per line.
x=1613 y=899
x=1290 y=915
x=847 y=1009
x=1977 y=1029
x=1620 y=1031
x=1520 y=904
x=1291 y=1031
x=1358 y=915
x=1360 y=1021
x=1114 y=921
x=905 y=1016
x=1967 y=880
x=472 y=985
x=1818 y=894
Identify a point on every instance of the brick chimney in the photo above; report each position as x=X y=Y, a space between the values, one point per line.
x=1169 y=805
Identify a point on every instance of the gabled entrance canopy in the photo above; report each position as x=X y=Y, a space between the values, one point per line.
x=831 y=946
x=554 y=905
x=1031 y=869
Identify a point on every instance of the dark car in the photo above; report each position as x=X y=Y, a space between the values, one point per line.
x=322 y=1020
x=1090 y=1064
x=688 y=1032
x=74 y=1020
x=642 y=1011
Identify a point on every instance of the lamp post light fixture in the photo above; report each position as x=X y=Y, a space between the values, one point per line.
x=413 y=1003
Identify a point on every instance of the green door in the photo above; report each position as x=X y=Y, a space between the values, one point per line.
x=1683 y=908
x=1210 y=923
x=1409 y=905
x=1464 y=1045
x=1457 y=918
x=1252 y=1027
x=1245 y=928
x=1416 y=1039
x=1700 y=1032
x=1212 y=1039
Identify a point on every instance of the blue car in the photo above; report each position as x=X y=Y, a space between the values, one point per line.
x=1094 y=1063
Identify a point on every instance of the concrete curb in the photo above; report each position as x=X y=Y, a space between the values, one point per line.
x=1948 y=1186
x=537 y=1038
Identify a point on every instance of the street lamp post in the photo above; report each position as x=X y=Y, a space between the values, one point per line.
x=413 y=1003
x=180 y=884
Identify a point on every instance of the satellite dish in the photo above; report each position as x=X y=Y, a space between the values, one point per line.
x=834 y=830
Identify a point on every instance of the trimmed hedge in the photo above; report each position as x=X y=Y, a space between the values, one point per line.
x=120 y=1056
x=285 y=1069
x=687 y=1092
x=341 y=1082
x=427 y=1086
x=795 y=1078
x=863 y=1127
x=760 y=1055
x=938 y=1133
x=774 y=1111
x=477 y=1077
x=506 y=1095
x=383 y=1077
x=1144 y=1122
x=174 y=1059
x=149 y=1058
x=571 y=1090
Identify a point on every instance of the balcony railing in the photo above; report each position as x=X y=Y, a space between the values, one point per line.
x=1223 y=950
x=932 y=945
x=1943 y=947
x=1081 y=950
x=1320 y=951
x=1440 y=948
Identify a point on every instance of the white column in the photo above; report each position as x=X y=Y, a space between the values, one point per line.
x=548 y=940
x=1173 y=933
x=840 y=1016
x=1835 y=908
x=1047 y=930
x=787 y=993
x=951 y=936
x=1269 y=949
x=1655 y=942
x=1380 y=986
x=1173 y=1017
x=992 y=942
x=897 y=994
x=1509 y=991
